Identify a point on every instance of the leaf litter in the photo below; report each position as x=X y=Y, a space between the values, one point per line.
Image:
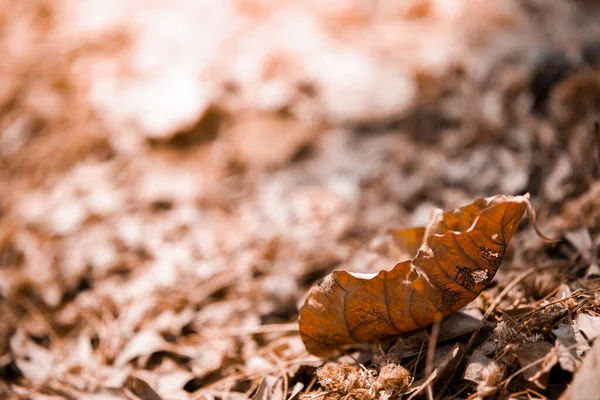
x=159 y=230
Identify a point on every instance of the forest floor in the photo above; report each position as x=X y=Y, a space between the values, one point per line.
x=176 y=176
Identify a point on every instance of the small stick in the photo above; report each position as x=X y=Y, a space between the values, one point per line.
x=597 y=134
x=435 y=331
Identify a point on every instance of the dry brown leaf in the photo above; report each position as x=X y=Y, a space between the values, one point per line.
x=408 y=240
x=141 y=389
x=529 y=357
x=459 y=257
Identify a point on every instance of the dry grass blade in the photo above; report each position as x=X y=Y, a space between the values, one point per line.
x=597 y=137
x=241 y=376
x=424 y=385
x=435 y=330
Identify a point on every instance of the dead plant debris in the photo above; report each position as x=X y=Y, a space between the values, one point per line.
x=175 y=176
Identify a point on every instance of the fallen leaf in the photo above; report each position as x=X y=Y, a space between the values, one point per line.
x=567 y=346
x=264 y=140
x=141 y=389
x=34 y=361
x=143 y=343
x=408 y=240
x=593 y=270
x=459 y=257
x=582 y=241
x=586 y=384
x=455 y=325
x=269 y=388
x=170 y=384
x=529 y=354
x=542 y=374
x=296 y=390
x=565 y=357
x=491 y=377
x=476 y=364
x=458 y=324
x=589 y=326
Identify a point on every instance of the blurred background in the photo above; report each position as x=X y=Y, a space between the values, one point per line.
x=175 y=175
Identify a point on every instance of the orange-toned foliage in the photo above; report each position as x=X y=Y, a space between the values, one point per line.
x=458 y=255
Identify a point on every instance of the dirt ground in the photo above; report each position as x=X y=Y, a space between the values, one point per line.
x=176 y=175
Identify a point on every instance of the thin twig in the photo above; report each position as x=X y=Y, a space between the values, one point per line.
x=429 y=379
x=540 y=396
x=540 y=309
x=549 y=295
x=283 y=372
x=414 y=372
x=597 y=134
x=249 y=376
x=435 y=331
x=311 y=384
x=455 y=395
